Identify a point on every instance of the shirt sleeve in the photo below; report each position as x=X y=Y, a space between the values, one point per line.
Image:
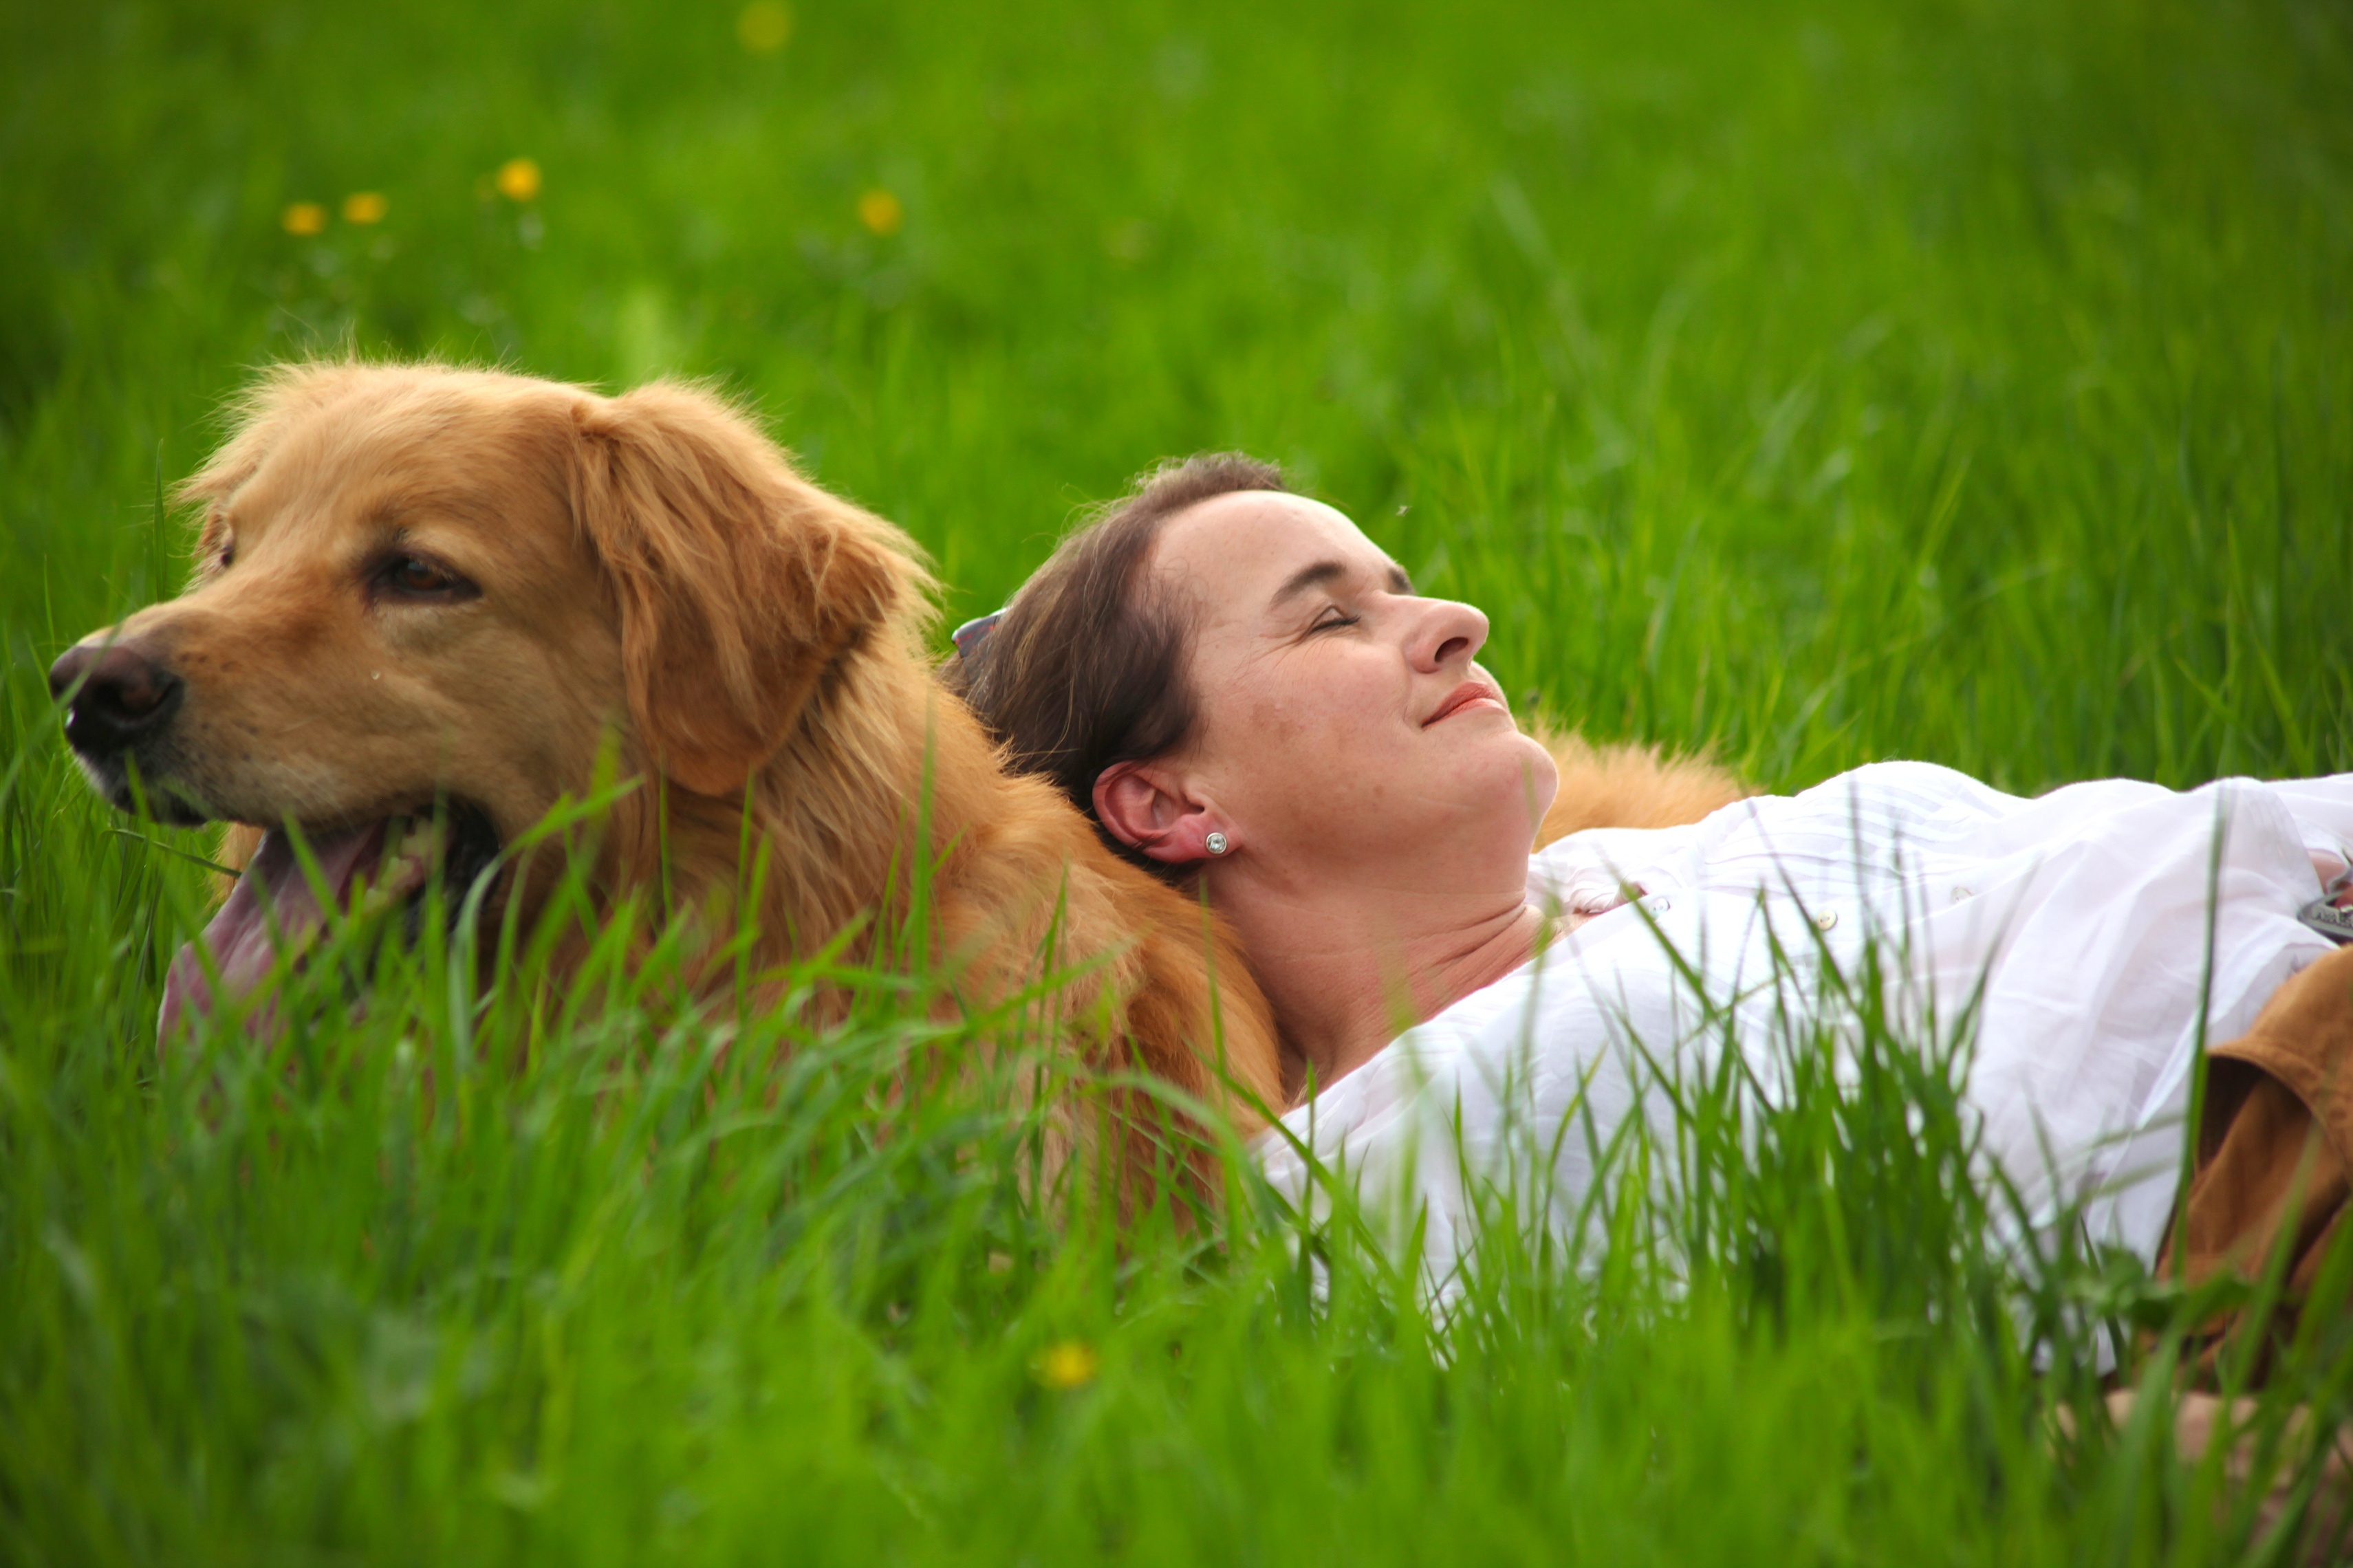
x=1588 y=873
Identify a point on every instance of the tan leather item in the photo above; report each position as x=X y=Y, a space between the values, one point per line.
x=2273 y=1138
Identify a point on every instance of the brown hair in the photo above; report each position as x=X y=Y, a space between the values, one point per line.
x=1086 y=665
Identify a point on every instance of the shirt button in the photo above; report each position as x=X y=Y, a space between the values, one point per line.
x=1659 y=905
x=1960 y=893
x=1826 y=920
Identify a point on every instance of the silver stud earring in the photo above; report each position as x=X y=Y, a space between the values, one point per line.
x=1216 y=842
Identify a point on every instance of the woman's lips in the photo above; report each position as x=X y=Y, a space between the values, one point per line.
x=1470 y=694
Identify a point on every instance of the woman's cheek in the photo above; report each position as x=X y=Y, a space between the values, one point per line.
x=1267 y=721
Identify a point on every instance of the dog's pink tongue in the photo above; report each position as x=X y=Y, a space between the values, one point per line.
x=273 y=892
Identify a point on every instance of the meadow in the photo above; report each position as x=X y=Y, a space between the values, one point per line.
x=1965 y=380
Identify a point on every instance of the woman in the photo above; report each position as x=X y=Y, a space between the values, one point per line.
x=1238 y=686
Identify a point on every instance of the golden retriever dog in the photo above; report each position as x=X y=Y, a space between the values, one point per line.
x=424 y=598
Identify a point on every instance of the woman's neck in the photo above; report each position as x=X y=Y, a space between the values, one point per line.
x=1349 y=969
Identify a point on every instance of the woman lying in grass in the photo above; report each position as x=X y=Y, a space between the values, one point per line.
x=1238 y=686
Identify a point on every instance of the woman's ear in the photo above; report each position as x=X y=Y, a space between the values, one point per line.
x=739 y=584
x=1148 y=807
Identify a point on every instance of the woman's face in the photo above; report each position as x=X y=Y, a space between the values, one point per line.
x=1344 y=720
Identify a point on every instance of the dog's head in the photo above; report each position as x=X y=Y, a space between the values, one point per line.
x=423 y=598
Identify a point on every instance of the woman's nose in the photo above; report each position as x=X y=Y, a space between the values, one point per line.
x=1448 y=634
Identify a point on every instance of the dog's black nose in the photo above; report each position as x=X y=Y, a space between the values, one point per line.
x=116 y=697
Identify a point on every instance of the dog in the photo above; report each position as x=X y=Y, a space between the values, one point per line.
x=424 y=598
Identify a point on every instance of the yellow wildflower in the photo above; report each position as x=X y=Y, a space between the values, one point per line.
x=1072 y=1363
x=363 y=206
x=304 y=218
x=519 y=179
x=880 y=211
x=764 y=26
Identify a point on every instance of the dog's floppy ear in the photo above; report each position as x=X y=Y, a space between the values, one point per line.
x=739 y=584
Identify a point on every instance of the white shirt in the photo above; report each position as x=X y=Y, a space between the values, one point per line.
x=2084 y=914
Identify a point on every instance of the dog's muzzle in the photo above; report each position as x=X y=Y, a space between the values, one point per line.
x=115 y=697
x=121 y=699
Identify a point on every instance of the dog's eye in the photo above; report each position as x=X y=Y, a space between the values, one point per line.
x=419 y=576
x=414 y=577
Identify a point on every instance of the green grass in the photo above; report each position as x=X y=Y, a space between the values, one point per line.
x=1969 y=381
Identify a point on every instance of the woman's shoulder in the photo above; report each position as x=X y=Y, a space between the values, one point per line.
x=1903 y=783
x=1586 y=872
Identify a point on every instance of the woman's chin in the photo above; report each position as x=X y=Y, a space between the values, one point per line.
x=1500 y=787
x=1534 y=775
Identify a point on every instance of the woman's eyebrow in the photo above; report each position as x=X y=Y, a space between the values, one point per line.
x=1308 y=577
x=1323 y=572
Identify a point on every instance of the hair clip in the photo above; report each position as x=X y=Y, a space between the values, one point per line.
x=968 y=637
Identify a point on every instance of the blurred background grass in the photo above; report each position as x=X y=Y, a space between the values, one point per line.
x=1960 y=379
x=1971 y=381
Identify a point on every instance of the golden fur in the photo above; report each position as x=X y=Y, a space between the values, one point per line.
x=1630 y=786
x=652 y=568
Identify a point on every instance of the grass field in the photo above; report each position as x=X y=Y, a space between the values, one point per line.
x=1969 y=380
